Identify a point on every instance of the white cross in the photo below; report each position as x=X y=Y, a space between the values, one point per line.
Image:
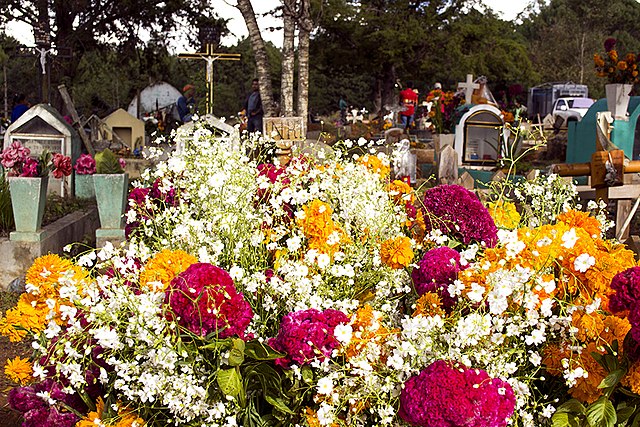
x=469 y=86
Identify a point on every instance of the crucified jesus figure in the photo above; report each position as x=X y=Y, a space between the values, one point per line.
x=43 y=57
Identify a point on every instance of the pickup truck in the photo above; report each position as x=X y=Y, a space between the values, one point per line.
x=569 y=109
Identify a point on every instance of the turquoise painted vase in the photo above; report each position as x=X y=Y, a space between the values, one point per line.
x=111 y=198
x=28 y=198
x=83 y=187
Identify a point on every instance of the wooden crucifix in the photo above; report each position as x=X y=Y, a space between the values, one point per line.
x=45 y=55
x=210 y=56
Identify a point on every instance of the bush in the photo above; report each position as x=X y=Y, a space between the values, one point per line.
x=6 y=212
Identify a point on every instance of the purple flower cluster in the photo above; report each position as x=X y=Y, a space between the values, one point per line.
x=627 y=297
x=458 y=212
x=452 y=395
x=15 y=159
x=306 y=335
x=146 y=201
x=41 y=405
x=437 y=269
x=85 y=165
x=203 y=299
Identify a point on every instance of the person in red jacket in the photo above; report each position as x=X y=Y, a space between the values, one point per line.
x=408 y=99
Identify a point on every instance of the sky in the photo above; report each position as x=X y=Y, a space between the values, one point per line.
x=508 y=9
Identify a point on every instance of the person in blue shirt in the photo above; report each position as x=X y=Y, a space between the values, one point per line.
x=253 y=108
x=20 y=106
x=186 y=102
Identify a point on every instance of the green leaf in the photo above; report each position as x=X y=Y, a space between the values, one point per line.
x=229 y=381
x=307 y=375
x=218 y=345
x=107 y=162
x=279 y=404
x=612 y=379
x=572 y=405
x=636 y=421
x=260 y=351
x=236 y=357
x=564 y=419
x=625 y=412
x=601 y=413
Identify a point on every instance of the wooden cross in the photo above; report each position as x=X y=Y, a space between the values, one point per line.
x=210 y=56
x=41 y=52
x=469 y=86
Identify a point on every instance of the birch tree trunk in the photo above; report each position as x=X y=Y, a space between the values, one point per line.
x=288 y=58
x=260 y=54
x=304 y=33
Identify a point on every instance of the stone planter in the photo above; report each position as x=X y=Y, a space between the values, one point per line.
x=84 y=188
x=618 y=99
x=111 y=197
x=28 y=198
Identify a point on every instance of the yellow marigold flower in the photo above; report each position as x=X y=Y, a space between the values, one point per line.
x=367 y=327
x=615 y=328
x=8 y=329
x=613 y=55
x=429 y=305
x=597 y=59
x=125 y=418
x=46 y=271
x=589 y=325
x=398 y=189
x=504 y=214
x=375 y=165
x=397 y=253
x=164 y=266
x=632 y=379
x=19 y=370
x=317 y=220
x=622 y=65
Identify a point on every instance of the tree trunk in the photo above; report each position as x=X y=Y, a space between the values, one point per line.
x=303 y=60
x=288 y=58
x=260 y=54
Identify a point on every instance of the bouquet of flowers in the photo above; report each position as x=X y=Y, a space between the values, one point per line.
x=321 y=293
x=442 y=110
x=17 y=161
x=616 y=67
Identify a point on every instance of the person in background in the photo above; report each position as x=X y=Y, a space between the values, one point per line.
x=186 y=103
x=20 y=106
x=342 y=104
x=253 y=108
x=409 y=100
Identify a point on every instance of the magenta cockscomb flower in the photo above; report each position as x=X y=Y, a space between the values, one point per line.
x=437 y=269
x=203 y=299
x=45 y=405
x=458 y=212
x=307 y=335
x=85 y=165
x=446 y=394
x=626 y=284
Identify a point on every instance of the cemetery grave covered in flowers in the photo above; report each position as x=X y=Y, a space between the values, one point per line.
x=324 y=293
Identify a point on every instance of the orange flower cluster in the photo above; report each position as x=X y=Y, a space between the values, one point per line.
x=164 y=266
x=323 y=233
x=375 y=165
x=367 y=329
x=397 y=253
x=504 y=214
x=614 y=68
x=19 y=370
x=429 y=305
x=44 y=279
x=125 y=418
x=596 y=331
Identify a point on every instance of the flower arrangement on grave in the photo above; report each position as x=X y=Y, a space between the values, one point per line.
x=106 y=162
x=320 y=293
x=442 y=110
x=85 y=165
x=615 y=66
x=17 y=161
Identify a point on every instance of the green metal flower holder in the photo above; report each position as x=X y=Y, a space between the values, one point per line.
x=28 y=198
x=83 y=187
x=111 y=197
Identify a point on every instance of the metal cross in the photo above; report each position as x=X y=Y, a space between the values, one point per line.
x=210 y=56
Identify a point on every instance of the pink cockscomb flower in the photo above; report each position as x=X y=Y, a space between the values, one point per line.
x=458 y=212
x=306 y=335
x=447 y=394
x=85 y=165
x=203 y=299
x=437 y=269
x=61 y=165
x=626 y=284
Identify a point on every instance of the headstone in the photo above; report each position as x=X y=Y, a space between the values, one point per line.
x=447 y=166
x=467 y=181
x=43 y=128
x=158 y=96
x=286 y=132
x=226 y=131
x=478 y=136
x=468 y=86
x=129 y=129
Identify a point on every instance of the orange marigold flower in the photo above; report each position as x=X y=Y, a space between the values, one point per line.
x=317 y=220
x=125 y=418
x=615 y=329
x=589 y=325
x=164 y=266
x=397 y=253
x=19 y=370
x=504 y=214
x=45 y=272
x=583 y=220
x=622 y=65
x=552 y=357
x=367 y=327
x=613 y=55
x=632 y=379
x=398 y=189
x=429 y=305
x=375 y=164
x=586 y=389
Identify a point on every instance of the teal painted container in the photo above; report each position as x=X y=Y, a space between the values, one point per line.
x=83 y=187
x=28 y=199
x=111 y=198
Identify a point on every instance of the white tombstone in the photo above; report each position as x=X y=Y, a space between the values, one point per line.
x=478 y=135
x=226 y=131
x=43 y=128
